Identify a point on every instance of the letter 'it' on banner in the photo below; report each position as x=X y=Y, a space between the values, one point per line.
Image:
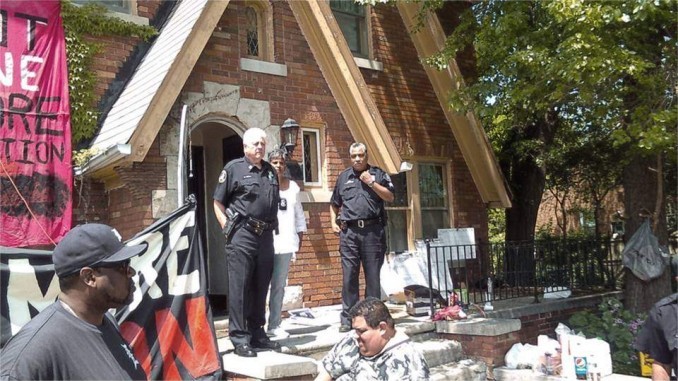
x=36 y=176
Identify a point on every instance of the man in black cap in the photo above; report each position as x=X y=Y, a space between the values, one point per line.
x=75 y=338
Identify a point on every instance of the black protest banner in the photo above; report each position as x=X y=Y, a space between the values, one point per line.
x=168 y=324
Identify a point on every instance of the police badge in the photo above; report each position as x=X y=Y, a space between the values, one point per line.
x=222 y=177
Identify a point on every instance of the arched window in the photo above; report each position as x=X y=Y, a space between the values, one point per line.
x=252 y=29
x=258 y=26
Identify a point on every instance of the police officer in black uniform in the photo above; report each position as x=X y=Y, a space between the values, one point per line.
x=659 y=335
x=358 y=202
x=246 y=206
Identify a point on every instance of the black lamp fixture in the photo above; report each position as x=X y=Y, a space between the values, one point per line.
x=288 y=135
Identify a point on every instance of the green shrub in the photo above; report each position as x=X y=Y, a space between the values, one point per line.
x=618 y=327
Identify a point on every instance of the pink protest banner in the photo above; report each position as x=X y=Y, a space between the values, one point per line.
x=35 y=132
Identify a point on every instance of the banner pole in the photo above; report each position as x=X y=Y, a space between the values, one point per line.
x=180 y=160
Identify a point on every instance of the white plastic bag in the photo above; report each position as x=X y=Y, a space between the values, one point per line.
x=513 y=355
x=521 y=356
x=643 y=255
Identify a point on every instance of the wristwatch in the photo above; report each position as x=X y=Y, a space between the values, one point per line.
x=371 y=184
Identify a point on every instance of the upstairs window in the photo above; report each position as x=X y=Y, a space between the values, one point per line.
x=352 y=20
x=252 y=30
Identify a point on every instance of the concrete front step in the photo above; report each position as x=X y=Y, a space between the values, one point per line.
x=308 y=344
x=438 y=351
x=464 y=370
x=269 y=366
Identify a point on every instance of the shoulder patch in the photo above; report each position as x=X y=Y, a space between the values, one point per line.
x=222 y=176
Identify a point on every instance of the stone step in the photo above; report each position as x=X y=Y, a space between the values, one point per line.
x=269 y=366
x=438 y=351
x=464 y=370
x=307 y=345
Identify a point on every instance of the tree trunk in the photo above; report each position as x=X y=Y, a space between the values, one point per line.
x=640 y=197
x=528 y=183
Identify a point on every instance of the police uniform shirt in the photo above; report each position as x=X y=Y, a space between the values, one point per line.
x=659 y=335
x=355 y=198
x=248 y=190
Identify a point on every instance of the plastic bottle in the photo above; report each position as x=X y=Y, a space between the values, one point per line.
x=592 y=371
x=549 y=364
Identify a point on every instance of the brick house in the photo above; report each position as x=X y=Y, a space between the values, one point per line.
x=344 y=72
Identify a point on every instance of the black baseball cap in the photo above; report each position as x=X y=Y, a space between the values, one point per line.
x=88 y=245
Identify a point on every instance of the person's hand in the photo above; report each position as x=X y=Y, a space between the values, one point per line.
x=336 y=229
x=366 y=177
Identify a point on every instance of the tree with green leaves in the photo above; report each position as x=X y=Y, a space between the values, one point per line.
x=598 y=76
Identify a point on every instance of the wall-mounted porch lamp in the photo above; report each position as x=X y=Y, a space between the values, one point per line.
x=288 y=135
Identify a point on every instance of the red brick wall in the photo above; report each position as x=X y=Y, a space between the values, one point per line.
x=492 y=349
x=90 y=202
x=130 y=205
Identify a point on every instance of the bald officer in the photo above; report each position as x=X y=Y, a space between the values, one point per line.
x=246 y=206
x=358 y=202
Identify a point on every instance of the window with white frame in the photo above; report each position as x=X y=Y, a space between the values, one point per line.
x=426 y=214
x=398 y=215
x=352 y=20
x=311 y=162
x=433 y=199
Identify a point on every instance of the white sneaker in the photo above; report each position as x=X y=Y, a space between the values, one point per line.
x=277 y=333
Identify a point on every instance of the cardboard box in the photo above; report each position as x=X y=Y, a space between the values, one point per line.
x=416 y=303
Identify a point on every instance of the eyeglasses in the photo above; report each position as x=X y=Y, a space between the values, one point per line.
x=123 y=266
x=356 y=155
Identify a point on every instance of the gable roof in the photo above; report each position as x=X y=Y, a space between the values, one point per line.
x=138 y=114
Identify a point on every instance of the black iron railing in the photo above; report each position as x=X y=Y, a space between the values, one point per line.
x=497 y=271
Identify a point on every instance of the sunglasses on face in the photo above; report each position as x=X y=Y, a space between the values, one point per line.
x=357 y=155
x=120 y=266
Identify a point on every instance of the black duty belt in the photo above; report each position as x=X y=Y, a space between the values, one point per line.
x=258 y=227
x=362 y=223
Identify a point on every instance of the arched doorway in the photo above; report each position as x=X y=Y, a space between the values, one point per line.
x=214 y=142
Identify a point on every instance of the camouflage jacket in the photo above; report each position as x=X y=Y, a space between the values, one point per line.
x=399 y=360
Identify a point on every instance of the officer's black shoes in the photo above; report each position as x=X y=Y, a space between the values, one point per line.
x=244 y=350
x=266 y=344
x=344 y=328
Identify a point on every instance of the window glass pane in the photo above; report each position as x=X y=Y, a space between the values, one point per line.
x=400 y=194
x=432 y=186
x=433 y=199
x=311 y=157
x=351 y=19
x=121 y=6
x=252 y=32
x=347 y=6
x=397 y=218
x=432 y=220
x=397 y=230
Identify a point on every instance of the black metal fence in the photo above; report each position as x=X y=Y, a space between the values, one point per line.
x=486 y=272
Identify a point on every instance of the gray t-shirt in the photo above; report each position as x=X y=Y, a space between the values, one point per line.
x=56 y=345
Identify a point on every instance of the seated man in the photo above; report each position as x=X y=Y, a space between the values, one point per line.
x=374 y=350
